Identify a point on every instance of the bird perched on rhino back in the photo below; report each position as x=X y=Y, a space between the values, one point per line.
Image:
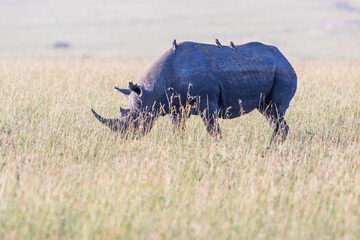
x=217 y=42
x=215 y=82
x=174 y=45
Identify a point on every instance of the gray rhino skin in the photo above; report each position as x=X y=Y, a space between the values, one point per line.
x=214 y=81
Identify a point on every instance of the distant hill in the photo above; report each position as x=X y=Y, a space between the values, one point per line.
x=305 y=29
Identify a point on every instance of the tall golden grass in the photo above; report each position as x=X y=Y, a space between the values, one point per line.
x=64 y=175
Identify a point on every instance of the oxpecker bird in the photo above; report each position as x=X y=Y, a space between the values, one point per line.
x=174 y=44
x=232 y=46
x=217 y=43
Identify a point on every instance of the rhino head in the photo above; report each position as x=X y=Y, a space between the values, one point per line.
x=134 y=118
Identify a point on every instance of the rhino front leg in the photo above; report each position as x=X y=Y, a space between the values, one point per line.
x=209 y=113
x=178 y=122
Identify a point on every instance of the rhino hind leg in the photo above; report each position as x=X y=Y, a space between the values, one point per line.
x=280 y=127
x=275 y=114
x=209 y=112
x=274 y=106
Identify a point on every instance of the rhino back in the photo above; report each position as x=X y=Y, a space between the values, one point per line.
x=239 y=75
x=233 y=75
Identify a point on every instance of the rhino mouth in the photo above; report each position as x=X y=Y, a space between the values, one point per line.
x=114 y=124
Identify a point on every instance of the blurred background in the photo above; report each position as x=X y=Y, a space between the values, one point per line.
x=306 y=29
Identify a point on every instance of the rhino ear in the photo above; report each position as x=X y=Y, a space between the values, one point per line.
x=123 y=112
x=135 y=88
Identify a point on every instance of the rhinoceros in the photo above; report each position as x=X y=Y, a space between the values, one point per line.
x=213 y=81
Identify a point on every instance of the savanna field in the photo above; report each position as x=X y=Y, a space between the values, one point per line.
x=63 y=175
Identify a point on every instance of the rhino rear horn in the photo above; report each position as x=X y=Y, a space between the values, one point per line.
x=111 y=123
x=124 y=91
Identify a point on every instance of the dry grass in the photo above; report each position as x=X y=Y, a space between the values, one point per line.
x=64 y=175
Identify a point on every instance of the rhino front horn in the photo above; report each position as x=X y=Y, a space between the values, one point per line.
x=124 y=91
x=113 y=124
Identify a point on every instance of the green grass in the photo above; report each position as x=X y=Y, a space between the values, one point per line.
x=64 y=175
